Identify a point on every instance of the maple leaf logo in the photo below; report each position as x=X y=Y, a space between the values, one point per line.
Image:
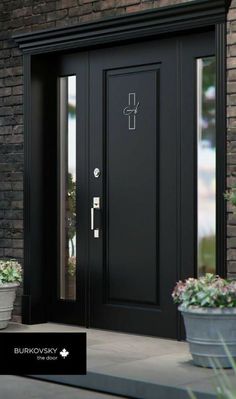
x=64 y=353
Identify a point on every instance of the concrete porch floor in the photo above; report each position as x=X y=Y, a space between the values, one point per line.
x=135 y=366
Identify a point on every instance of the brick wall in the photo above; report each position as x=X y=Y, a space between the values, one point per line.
x=27 y=15
x=231 y=136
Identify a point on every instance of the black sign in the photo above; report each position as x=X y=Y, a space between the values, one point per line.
x=43 y=353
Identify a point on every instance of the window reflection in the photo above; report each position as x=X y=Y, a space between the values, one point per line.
x=206 y=130
x=67 y=186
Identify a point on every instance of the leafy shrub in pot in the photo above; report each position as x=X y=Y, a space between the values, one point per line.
x=10 y=278
x=208 y=306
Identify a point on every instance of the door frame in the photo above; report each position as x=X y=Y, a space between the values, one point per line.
x=165 y=21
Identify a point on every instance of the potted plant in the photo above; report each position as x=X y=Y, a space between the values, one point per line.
x=10 y=278
x=208 y=306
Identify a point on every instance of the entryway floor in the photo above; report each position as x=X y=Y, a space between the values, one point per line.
x=135 y=366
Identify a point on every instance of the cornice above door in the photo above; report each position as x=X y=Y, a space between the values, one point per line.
x=164 y=20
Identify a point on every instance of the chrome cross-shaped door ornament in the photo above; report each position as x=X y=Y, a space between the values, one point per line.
x=131 y=111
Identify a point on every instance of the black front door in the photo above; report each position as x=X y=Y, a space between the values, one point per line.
x=134 y=92
x=122 y=132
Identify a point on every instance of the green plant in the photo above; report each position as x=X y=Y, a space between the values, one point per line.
x=230 y=195
x=71 y=266
x=206 y=255
x=10 y=271
x=224 y=388
x=71 y=211
x=207 y=291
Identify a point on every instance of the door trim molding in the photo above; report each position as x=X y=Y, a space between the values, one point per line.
x=163 y=20
x=221 y=133
x=198 y=14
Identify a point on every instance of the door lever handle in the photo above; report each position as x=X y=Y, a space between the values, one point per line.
x=96 y=205
x=92 y=218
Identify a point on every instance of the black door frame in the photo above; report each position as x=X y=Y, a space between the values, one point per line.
x=182 y=18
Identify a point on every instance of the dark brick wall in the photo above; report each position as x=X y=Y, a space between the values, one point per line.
x=28 y=15
x=231 y=134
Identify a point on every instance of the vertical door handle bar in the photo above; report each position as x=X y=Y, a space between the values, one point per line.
x=92 y=218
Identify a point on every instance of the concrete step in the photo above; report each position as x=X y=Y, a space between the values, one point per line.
x=126 y=387
x=12 y=387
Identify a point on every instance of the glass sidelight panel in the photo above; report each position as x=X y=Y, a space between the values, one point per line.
x=67 y=186
x=206 y=164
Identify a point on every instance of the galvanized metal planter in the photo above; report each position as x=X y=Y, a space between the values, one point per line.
x=7 y=298
x=205 y=329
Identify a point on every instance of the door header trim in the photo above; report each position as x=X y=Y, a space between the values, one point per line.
x=163 y=20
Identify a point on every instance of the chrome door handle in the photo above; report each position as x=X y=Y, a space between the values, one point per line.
x=92 y=218
x=96 y=205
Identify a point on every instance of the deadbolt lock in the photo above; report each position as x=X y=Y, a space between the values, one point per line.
x=96 y=202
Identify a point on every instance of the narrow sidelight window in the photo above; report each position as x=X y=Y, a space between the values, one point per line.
x=206 y=165
x=67 y=187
